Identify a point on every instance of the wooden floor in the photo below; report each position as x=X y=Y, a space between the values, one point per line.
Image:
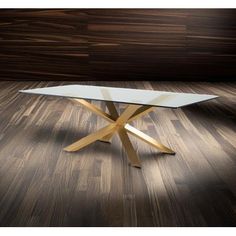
x=41 y=185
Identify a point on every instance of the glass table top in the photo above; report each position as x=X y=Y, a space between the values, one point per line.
x=123 y=95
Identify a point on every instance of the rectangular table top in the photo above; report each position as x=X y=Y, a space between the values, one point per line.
x=123 y=95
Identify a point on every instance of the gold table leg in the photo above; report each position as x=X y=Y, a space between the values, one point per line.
x=119 y=124
x=139 y=134
x=90 y=138
x=114 y=114
x=131 y=153
x=107 y=138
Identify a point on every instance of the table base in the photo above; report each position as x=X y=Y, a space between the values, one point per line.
x=119 y=124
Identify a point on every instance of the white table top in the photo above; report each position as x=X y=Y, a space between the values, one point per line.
x=123 y=95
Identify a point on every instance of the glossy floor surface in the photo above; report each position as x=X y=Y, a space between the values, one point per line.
x=41 y=185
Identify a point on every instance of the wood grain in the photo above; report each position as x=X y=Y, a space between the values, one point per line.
x=43 y=44
x=118 y=44
x=41 y=185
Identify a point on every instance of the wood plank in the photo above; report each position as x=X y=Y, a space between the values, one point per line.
x=118 y=44
x=41 y=185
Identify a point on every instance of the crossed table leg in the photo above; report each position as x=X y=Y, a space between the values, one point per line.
x=120 y=125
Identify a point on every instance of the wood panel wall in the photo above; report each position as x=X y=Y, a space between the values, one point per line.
x=118 y=44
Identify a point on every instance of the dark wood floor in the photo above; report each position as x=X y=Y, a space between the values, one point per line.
x=41 y=185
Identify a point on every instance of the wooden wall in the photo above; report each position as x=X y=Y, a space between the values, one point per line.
x=118 y=44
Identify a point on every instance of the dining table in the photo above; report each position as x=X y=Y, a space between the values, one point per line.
x=138 y=102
